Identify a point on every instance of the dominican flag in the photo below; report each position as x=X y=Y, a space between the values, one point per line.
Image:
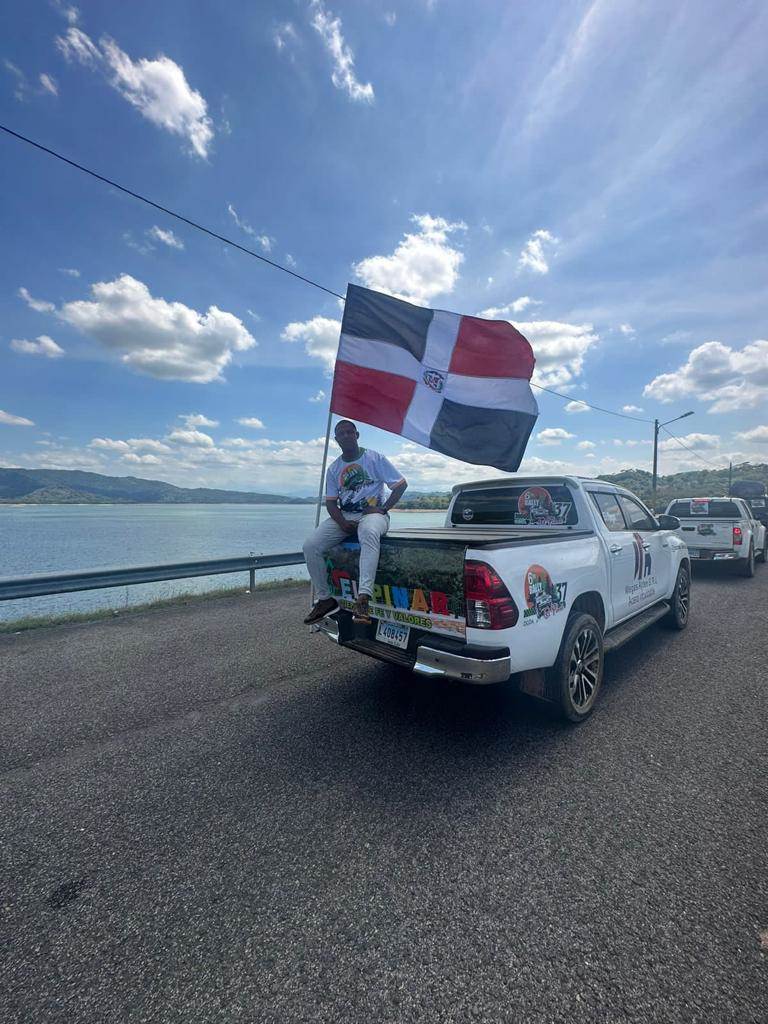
x=457 y=384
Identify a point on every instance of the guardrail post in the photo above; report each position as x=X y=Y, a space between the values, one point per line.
x=252 y=580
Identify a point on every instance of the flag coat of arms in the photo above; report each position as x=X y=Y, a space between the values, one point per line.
x=457 y=384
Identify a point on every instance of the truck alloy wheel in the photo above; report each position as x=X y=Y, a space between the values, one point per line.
x=577 y=674
x=680 y=603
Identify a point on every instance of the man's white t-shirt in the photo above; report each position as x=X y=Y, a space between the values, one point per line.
x=360 y=483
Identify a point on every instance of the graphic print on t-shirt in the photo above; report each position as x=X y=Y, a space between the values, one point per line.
x=351 y=480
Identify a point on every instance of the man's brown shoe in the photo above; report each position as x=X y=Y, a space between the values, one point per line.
x=361 y=613
x=320 y=609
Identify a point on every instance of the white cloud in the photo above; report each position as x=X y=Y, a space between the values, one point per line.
x=319 y=397
x=284 y=35
x=390 y=17
x=69 y=11
x=167 y=237
x=39 y=305
x=21 y=87
x=69 y=271
x=265 y=241
x=49 y=84
x=44 y=346
x=142 y=443
x=553 y=436
x=109 y=444
x=505 y=312
x=191 y=437
x=196 y=419
x=167 y=340
x=14 y=421
x=559 y=349
x=698 y=442
x=289 y=260
x=343 y=75
x=586 y=445
x=631 y=408
x=533 y=255
x=676 y=337
x=157 y=88
x=320 y=336
x=251 y=421
x=143 y=247
x=76 y=45
x=576 y=406
x=132 y=444
x=756 y=434
x=627 y=329
x=423 y=264
x=144 y=460
x=731 y=379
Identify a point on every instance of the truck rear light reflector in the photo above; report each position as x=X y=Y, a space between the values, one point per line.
x=737 y=536
x=489 y=603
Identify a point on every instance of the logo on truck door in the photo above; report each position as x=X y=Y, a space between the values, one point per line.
x=542 y=597
x=642 y=557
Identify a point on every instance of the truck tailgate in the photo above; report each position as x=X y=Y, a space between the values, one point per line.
x=707 y=534
x=419 y=581
x=420 y=578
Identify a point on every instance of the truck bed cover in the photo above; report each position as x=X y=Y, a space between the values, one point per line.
x=481 y=537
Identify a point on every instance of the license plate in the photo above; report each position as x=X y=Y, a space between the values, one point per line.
x=393 y=633
x=694 y=552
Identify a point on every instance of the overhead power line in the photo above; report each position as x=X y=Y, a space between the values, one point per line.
x=599 y=408
x=691 y=450
x=166 y=210
x=250 y=252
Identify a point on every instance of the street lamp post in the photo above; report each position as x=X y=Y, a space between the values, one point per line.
x=656 y=427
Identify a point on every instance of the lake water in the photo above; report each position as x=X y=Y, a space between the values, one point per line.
x=68 y=538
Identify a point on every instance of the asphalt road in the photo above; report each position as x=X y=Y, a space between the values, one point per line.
x=209 y=815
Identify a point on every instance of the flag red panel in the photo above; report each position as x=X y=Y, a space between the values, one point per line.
x=491 y=348
x=373 y=396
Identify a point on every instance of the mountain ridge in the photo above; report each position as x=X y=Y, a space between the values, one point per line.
x=74 y=486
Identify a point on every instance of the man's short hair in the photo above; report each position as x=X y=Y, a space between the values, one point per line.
x=344 y=421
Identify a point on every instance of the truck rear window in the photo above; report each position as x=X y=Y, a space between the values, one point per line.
x=705 y=508
x=516 y=505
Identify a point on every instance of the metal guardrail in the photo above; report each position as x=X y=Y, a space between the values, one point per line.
x=12 y=589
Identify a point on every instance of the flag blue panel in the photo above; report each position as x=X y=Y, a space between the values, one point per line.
x=484 y=437
x=371 y=315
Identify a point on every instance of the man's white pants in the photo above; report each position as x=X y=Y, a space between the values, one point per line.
x=370 y=529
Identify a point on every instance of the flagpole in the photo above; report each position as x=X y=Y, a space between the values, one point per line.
x=322 y=471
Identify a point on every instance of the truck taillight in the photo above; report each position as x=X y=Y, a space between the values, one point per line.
x=489 y=603
x=737 y=536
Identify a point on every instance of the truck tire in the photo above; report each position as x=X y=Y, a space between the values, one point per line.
x=680 y=602
x=576 y=677
x=747 y=567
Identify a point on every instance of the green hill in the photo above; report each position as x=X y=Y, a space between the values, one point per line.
x=71 y=486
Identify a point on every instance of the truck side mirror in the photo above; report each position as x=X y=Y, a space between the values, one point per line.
x=668 y=522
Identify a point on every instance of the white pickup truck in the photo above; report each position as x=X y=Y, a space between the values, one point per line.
x=721 y=530
x=530 y=578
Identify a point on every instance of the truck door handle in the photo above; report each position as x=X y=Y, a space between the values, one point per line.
x=615 y=549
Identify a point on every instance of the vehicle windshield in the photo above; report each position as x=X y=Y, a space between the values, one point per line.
x=705 y=508
x=534 y=505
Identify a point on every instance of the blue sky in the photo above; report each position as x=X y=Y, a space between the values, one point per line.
x=594 y=172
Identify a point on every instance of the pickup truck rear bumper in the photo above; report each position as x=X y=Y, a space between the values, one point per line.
x=710 y=555
x=431 y=656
